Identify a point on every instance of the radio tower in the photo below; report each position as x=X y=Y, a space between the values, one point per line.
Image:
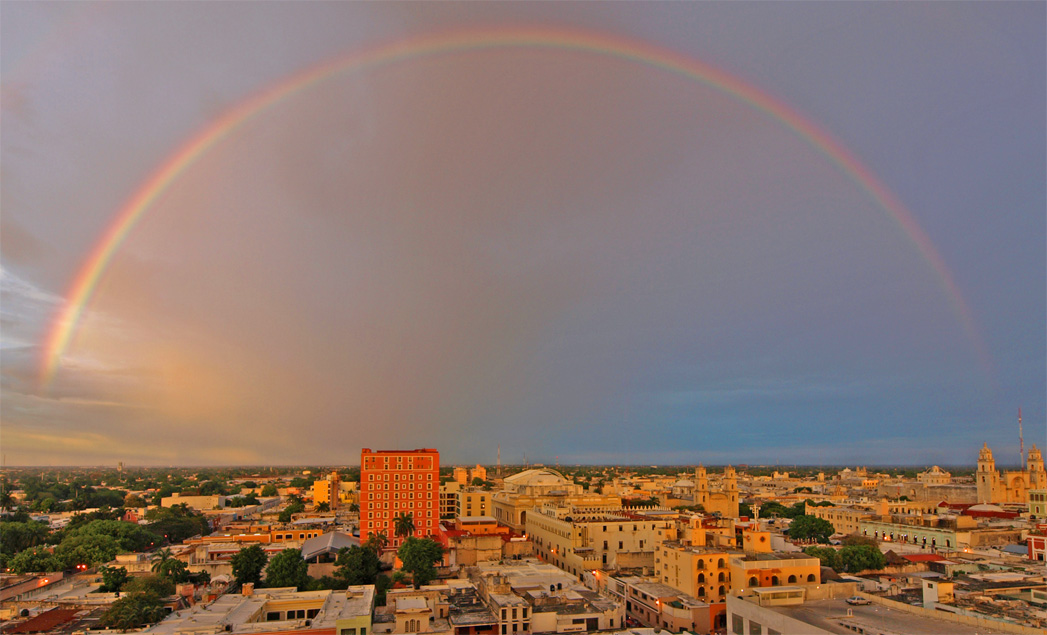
x=1021 y=439
x=499 y=459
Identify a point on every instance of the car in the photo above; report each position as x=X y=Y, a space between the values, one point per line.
x=858 y=600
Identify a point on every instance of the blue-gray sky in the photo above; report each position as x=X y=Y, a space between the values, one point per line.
x=568 y=254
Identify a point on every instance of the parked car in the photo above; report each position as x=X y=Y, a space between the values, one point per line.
x=858 y=600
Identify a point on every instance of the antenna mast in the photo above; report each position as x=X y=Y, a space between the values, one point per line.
x=1021 y=439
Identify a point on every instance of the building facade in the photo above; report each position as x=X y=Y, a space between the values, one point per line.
x=1010 y=486
x=394 y=482
x=702 y=573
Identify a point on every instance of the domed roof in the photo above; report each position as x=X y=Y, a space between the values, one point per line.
x=683 y=483
x=541 y=476
x=984 y=508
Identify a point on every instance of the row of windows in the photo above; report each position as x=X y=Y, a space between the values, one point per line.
x=396 y=477
x=427 y=514
x=396 y=495
x=299 y=614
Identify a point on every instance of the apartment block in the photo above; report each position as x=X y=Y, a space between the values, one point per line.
x=394 y=482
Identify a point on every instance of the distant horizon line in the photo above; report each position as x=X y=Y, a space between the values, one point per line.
x=867 y=466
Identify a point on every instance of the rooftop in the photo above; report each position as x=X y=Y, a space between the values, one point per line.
x=836 y=616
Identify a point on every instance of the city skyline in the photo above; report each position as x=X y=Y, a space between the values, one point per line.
x=616 y=234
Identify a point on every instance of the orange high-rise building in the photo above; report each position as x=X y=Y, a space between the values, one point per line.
x=394 y=482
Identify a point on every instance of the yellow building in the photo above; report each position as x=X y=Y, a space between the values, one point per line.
x=533 y=489
x=725 y=500
x=473 y=502
x=327 y=491
x=579 y=540
x=773 y=569
x=1011 y=486
x=449 y=499
x=699 y=572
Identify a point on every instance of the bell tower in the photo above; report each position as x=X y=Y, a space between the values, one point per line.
x=730 y=486
x=1037 y=475
x=988 y=479
x=701 y=481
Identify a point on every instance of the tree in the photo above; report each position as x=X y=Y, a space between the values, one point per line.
x=323 y=507
x=176 y=571
x=134 y=611
x=153 y=584
x=419 y=555
x=134 y=500
x=354 y=507
x=294 y=507
x=248 y=564
x=160 y=558
x=377 y=542
x=810 y=528
x=403 y=525
x=357 y=565
x=34 y=560
x=129 y=536
x=177 y=523
x=857 y=558
x=828 y=556
x=87 y=549
x=269 y=490
x=287 y=569
x=17 y=536
x=858 y=539
x=113 y=578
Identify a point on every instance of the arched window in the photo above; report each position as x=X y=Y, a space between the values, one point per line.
x=701 y=577
x=701 y=592
x=701 y=564
x=753 y=581
x=723 y=590
x=720 y=578
x=775 y=581
x=810 y=578
x=720 y=563
x=792 y=579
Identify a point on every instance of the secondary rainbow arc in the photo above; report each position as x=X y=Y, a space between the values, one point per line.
x=84 y=284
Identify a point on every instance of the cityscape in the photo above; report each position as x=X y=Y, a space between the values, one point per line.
x=468 y=318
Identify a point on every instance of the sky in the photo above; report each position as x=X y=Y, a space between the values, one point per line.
x=578 y=254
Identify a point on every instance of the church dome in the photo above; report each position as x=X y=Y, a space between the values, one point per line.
x=536 y=477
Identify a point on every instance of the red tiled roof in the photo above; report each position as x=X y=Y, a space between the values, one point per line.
x=923 y=557
x=45 y=621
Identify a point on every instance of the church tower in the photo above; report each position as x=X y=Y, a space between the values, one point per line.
x=1037 y=475
x=701 y=481
x=988 y=479
x=730 y=486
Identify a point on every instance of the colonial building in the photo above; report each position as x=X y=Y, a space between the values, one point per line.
x=533 y=489
x=725 y=501
x=1011 y=486
x=579 y=540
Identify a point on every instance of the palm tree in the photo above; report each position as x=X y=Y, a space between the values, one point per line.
x=377 y=542
x=160 y=559
x=404 y=525
x=323 y=507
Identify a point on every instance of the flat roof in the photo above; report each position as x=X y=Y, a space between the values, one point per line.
x=832 y=616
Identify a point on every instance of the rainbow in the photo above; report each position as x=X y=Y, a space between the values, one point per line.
x=87 y=278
